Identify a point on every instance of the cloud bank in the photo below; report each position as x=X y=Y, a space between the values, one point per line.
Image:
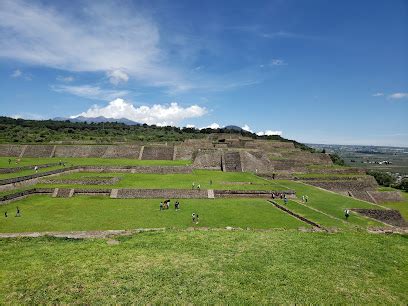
x=101 y=37
x=398 y=95
x=157 y=114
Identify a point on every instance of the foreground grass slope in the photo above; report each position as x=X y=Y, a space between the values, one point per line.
x=208 y=267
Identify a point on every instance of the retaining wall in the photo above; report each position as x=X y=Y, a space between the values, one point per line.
x=158 y=153
x=161 y=194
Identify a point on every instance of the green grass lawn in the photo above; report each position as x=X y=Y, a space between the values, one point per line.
x=401 y=206
x=331 y=203
x=31 y=161
x=44 y=213
x=313 y=215
x=208 y=267
x=220 y=180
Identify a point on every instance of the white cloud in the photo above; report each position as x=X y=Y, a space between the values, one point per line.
x=117 y=76
x=29 y=116
x=378 y=94
x=16 y=73
x=190 y=126
x=247 y=128
x=213 y=126
x=277 y=62
x=398 y=95
x=91 y=92
x=269 y=133
x=157 y=114
x=66 y=79
x=100 y=37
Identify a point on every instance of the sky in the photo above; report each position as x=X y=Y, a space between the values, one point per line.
x=332 y=72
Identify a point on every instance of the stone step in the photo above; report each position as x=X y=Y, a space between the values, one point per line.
x=211 y=193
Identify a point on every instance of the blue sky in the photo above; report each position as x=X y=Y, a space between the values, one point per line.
x=315 y=71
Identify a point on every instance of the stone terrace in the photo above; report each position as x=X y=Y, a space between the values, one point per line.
x=158 y=153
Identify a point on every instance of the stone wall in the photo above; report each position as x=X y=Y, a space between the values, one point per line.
x=80 y=151
x=18 y=169
x=183 y=152
x=122 y=151
x=161 y=194
x=9 y=150
x=366 y=183
x=389 y=216
x=158 y=153
x=255 y=161
x=83 y=181
x=232 y=162
x=38 y=151
x=138 y=169
x=208 y=159
x=386 y=196
x=253 y=193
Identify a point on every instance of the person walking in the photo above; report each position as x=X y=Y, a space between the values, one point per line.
x=5 y=214
x=193 y=217
x=161 y=205
x=18 y=214
x=347 y=213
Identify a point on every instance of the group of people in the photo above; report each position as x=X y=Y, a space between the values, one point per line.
x=18 y=213
x=278 y=195
x=195 y=218
x=166 y=205
x=198 y=186
x=305 y=198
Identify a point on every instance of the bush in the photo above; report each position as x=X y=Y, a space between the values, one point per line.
x=403 y=185
x=382 y=178
x=336 y=159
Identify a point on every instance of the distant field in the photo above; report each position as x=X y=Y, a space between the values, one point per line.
x=208 y=267
x=44 y=213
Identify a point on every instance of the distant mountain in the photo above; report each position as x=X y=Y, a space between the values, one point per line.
x=233 y=127
x=99 y=119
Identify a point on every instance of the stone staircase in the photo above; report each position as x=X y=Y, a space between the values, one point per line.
x=63 y=193
x=232 y=162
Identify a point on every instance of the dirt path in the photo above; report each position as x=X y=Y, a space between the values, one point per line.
x=80 y=234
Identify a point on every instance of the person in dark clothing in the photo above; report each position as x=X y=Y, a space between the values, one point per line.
x=18 y=214
x=5 y=214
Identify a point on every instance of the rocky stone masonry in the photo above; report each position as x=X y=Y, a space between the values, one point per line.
x=361 y=195
x=80 y=151
x=389 y=216
x=208 y=159
x=9 y=150
x=232 y=162
x=366 y=183
x=253 y=193
x=158 y=153
x=38 y=151
x=161 y=194
x=83 y=181
x=255 y=161
x=138 y=169
x=18 y=169
x=20 y=194
x=334 y=171
x=122 y=151
x=183 y=152
x=35 y=175
x=386 y=196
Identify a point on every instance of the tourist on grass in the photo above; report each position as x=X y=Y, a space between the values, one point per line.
x=306 y=198
x=303 y=199
x=198 y=186
x=9 y=161
x=193 y=217
x=346 y=213
x=192 y=186
x=161 y=205
x=196 y=218
x=36 y=169
x=5 y=214
x=18 y=212
x=285 y=200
